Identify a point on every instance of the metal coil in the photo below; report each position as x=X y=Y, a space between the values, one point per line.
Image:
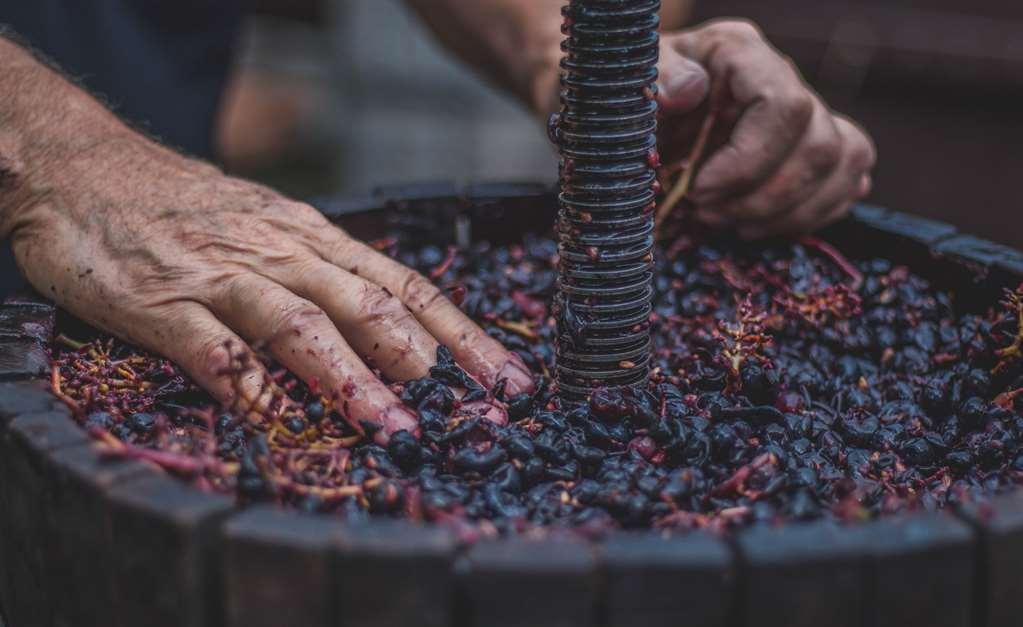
x=606 y=134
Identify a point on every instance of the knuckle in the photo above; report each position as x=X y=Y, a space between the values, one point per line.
x=821 y=155
x=214 y=355
x=736 y=29
x=738 y=168
x=471 y=338
x=295 y=317
x=746 y=175
x=379 y=306
x=419 y=293
x=796 y=107
x=340 y=246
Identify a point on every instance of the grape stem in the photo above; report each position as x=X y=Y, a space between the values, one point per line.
x=689 y=166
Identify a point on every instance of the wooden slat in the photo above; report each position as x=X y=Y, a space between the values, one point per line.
x=164 y=565
x=22 y=358
x=24 y=397
x=998 y=584
x=277 y=568
x=518 y=583
x=392 y=574
x=802 y=575
x=79 y=551
x=921 y=571
x=649 y=581
x=27 y=489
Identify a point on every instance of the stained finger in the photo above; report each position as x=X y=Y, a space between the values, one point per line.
x=482 y=356
x=212 y=354
x=302 y=338
x=808 y=167
x=372 y=319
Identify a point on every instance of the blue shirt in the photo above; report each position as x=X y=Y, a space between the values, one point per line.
x=160 y=64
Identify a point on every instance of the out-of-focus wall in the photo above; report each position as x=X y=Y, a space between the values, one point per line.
x=341 y=95
x=408 y=111
x=938 y=83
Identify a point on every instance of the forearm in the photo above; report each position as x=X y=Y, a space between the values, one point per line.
x=52 y=135
x=515 y=43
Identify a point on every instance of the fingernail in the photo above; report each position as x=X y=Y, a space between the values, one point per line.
x=517 y=376
x=393 y=419
x=684 y=86
x=493 y=413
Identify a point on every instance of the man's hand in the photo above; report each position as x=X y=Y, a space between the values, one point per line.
x=170 y=254
x=780 y=160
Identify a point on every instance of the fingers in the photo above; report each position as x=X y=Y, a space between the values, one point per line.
x=814 y=159
x=683 y=84
x=302 y=337
x=376 y=324
x=212 y=355
x=482 y=356
x=848 y=182
x=776 y=107
x=788 y=162
x=373 y=320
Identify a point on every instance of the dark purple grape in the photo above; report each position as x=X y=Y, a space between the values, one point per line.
x=142 y=423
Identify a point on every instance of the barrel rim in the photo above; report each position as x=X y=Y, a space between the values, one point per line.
x=977 y=265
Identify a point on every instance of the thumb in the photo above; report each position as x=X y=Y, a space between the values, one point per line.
x=683 y=84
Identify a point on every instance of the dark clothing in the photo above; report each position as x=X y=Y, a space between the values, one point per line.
x=160 y=64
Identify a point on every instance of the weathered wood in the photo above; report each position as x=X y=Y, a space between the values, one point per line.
x=997 y=582
x=921 y=569
x=34 y=322
x=649 y=581
x=392 y=574
x=802 y=575
x=521 y=583
x=152 y=541
x=22 y=358
x=24 y=397
x=916 y=242
x=984 y=254
x=80 y=551
x=277 y=568
x=27 y=298
x=164 y=562
x=909 y=226
x=27 y=473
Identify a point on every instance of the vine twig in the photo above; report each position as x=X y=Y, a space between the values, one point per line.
x=689 y=166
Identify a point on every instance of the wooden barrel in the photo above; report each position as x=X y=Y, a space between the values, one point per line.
x=90 y=541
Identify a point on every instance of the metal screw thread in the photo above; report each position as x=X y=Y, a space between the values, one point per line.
x=606 y=134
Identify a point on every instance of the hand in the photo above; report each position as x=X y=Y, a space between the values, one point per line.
x=171 y=255
x=779 y=160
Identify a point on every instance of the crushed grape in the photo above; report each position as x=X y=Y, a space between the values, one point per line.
x=788 y=383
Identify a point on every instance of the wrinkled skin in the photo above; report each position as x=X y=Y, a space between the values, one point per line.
x=203 y=266
x=170 y=254
x=779 y=160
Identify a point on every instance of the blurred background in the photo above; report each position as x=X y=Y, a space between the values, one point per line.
x=337 y=96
